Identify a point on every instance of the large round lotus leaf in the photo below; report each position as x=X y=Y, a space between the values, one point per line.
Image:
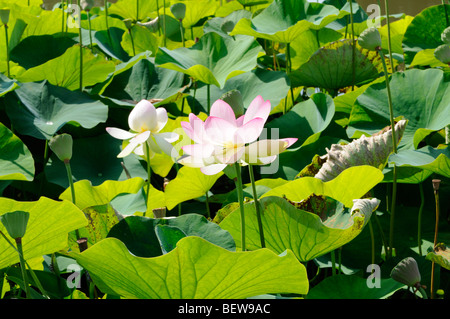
x=424 y=31
x=128 y=9
x=284 y=20
x=331 y=67
x=440 y=255
x=319 y=226
x=195 y=269
x=16 y=161
x=197 y=10
x=64 y=70
x=7 y=85
x=40 y=109
x=212 y=60
x=421 y=96
x=47 y=227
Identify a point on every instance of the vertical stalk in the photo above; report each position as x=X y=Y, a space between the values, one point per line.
x=208 y=96
x=164 y=23
x=106 y=21
x=157 y=14
x=90 y=29
x=241 y=203
x=81 y=50
x=22 y=266
x=419 y=223
x=386 y=4
x=257 y=207
x=130 y=32
x=372 y=239
x=208 y=211
x=149 y=171
x=333 y=263
x=353 y=46
x=137 y=10
x=436 y=183
x=182 y=32
x=62 y=16
x=394 y=143
x=72 y=190
x=8 y=71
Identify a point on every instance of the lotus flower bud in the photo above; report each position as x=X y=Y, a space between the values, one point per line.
x=234 y=99
x=87 y=5
x=4 y=16
x=370 y=39
x=61 y=145
x=445 y=36
x=407 y=272
x=442 y=53
x=15 y=223
x=178 y=10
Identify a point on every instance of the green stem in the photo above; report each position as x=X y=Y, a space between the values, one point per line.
x=383 y=237
x=422 y=292
x=8 y=71
x=137 y=10
x=90 y=30
x=164 y=23
x=386 y=4
x=436 y=183
x=23 y=267
x=208 y=211
x=106 y=21
x=132 y=41
x=182 y=32
x=149 y=172
x=81 y=51
x=208 y=96
x=419 y=223
x=353 y=46
x=257 y=207
x=333 y=263
x=372 y=239
x=159 y=18
x=241 y=203
x=62 y=16
x=72 y=190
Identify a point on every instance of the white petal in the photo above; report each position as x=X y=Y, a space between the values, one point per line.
x=161 y=119
x=127 y=150
x=119 y=133
x=169 y=136
x=142 y=117
x=165 y=146
x=213 y=169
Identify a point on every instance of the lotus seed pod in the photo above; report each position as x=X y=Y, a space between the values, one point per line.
x=445 y=36
x=370 y=39
x=442 y=53
x=15 y=223
x=234 y=99
x=87 y=5
x=4 y=16
x=61 y=145
x=407 y=272
x=178 y=10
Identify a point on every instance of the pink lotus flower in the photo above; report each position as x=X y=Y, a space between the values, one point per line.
x=146 y=122
x=224 y=140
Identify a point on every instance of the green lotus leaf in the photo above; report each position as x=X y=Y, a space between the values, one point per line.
x=285 y=20
x=221 y=25
x=271 y=85
x=140 y=40
x=303 y=232
x=190 y=183
x=313 y=115
x=16 y=160
x=197 y=10
x=44 y=47
x=353 y=287
x=440 y=255
x=352 y=183
x=127 y=9
x=426 y=158
x=195 y=269
x=109 y=41
x=397 y=32
x=88 y=195
x=424 y=31
x=330 y=67
x=141 y=79
x=424 y=114
x=373 y=151
x=213 y=60
x=139 y=234
x=47 y=228
x=7 y=85
x=64 y=70
x=16 y=27
x=168 y=237
x=41 y=109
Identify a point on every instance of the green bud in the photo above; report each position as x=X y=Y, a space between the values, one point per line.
x=15 y=223
x=442 y=53
x=370 y=39
x=407 y=272
x=4 y=16
x=445 y=36
x=234 y=99
x=178 y=10
x=61 y=145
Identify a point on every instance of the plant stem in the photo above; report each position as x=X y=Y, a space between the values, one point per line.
x=182 y=33
x=90 y=30
x=333 y=263
x=419 y=223
x=8 y=71
x=436 y=183
x=422 y=292
x=208 y=211
x=106 y=21
x=372 y=238
x=149 y=171
x=81 y=51
x=257 y=206
x=137 y=10
x=241 y=203
x=394 y=143
x=72 y=190
x=386 y=4
x=353 y=46
x=159 y=19
x=132 y=41
x=62 y=16
x=23 y=267
x=208 y=96
x=164 y=23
